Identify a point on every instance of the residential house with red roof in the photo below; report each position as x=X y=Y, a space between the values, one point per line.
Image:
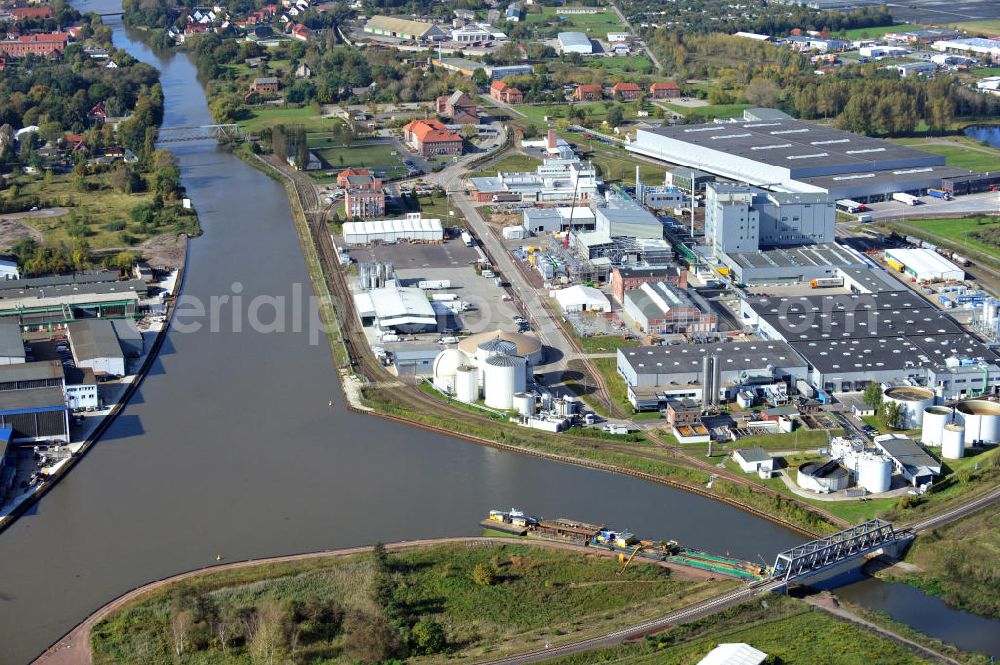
x=46 y=44
x=588 y=93
x=506 y=94
x=626 y=92
x=665 y=90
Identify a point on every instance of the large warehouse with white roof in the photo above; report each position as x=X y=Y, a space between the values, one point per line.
x=797 y=156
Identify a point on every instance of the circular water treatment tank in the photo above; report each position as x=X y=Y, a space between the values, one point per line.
x=526 y=346
x=981 y=419
x=875 y=474
x=912 y=402
x=524 y=403
x=828 y=477
x=953 y=442
x=467 y=384
x=935 y=418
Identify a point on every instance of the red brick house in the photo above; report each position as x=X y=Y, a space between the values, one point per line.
x=588 y=93
x=363 y=195
x=626 y=279
x=626 y=92
x=301 y=32
x=506 y=94
x=265 y=85
x=665 y=90
x=42 y=45
x=22 y=13
x=431 y=137
x=459 y=107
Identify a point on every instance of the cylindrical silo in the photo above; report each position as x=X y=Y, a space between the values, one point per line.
x=935 y=418
x=707 y=379
x=912 y=402
x=524 y=403
x=490 y=348
x=981 y=419
x=467 y=384
x=504 y=376
x=953 y=442
x=875 y=473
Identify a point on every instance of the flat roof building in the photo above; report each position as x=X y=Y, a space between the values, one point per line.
x=11 y=344
x=95 y=345
x=401 y=28
x=35 y=415
x=402 y=309
x=575 y=42
x=925 y=265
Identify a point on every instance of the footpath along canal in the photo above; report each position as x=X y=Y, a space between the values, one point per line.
x=230 y=447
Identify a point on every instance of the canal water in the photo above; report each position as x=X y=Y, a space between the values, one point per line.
x=928 y=614
x=230 y=446
x=988 y=133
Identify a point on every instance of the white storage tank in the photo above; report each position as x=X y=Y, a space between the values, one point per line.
x=467 y=384
x=875 y=473
x=445 y=365
x=524 y=403
x=953 y=442
x=935 y=418
x=503 y=377
x=981 y=419
x=490 y=348
x=912 y=402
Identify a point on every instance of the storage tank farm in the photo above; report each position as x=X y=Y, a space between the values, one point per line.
x=912 y=402
x=503 y=376
x=953 y=442
x=935 y=418
x=981 y=419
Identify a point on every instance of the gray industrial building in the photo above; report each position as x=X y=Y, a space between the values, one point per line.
x=795 y=156
x=11 y=344
x=741 y=218
x=655 y=374
x=95 y=345
x=892 y=337
x=622 y=217
x=32 y=401
x=793 y=264
x=129 y=337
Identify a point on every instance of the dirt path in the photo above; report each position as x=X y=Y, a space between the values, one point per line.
x=73 y=648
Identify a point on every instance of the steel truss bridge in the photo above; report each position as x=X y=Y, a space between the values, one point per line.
x=851 y=543
x=222 y=133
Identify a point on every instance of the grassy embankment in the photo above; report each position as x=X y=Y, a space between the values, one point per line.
x=709 y=112
x=509 y=164
x=958 y=233
x=477 y=600
x=101 y=216
x=788 y=630
x=959 y=151
x=989 y=27
x=958 y=563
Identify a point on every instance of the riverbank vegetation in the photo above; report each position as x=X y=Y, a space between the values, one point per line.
x=958 y=563
x=432 y=604
x=790 y=631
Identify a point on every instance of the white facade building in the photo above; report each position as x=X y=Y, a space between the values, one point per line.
x=575 y=42
x=582 y=298
x=413 y=228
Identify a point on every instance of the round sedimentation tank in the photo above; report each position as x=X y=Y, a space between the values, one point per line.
x=912 y=402
x=524 y=403
x=981 y=419
x=503 y=377
x=875 y=473
x=935 y=418
x=445 y=365
x=953 y=442
x=467 y=384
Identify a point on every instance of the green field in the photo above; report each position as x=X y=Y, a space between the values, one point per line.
x=621 y=64
x=986 y=26
x=261 y=117
x=509 y=164
x=957 y=562
x=958 y=151
x=596 y=26
x=721 y=111
x=376 y=156
x=959 y=230
x=484 y=599
x=614 y=166
x=788 y=630
x=878 y=31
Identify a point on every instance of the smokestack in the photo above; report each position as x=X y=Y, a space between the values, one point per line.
x=551 y=142
x=707 y=380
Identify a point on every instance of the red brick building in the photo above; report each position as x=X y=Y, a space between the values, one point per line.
x=42 y=45
x=363 y=195
x=588 y=93
x=22 y=13
x=665 y=90
x=459 y=107
x=265 y=85
x=626 y=92
x=626 y=279
x=431 y=137
x=506 y=94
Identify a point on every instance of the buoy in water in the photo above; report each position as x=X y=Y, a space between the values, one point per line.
x=330 y=403
x=218 y=557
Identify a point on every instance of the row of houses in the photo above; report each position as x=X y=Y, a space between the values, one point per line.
x=626 y=91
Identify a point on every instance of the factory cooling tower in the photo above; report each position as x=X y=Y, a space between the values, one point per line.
x=953 y=442
x=912 y=402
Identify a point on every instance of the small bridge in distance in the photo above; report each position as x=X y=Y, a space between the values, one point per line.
x=222 y=133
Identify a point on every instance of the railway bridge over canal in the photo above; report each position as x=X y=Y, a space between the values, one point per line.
x=828 y=557
x=222 y=133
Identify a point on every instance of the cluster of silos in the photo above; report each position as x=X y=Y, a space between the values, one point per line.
x=373 y=276
x=495 y=371
x=981 y=419
x=912 y=402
